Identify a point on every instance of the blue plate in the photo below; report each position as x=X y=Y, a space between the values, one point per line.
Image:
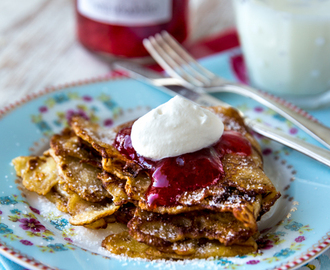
x=34 y=234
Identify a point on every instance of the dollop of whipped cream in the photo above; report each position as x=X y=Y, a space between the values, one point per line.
x=176 y=127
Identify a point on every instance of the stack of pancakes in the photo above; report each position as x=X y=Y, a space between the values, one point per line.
x=84 y=175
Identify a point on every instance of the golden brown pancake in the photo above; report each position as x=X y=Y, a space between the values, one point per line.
x=162 y=230
x=86 y=176
x=124 y=244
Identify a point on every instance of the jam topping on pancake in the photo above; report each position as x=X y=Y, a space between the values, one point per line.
x=173 y=176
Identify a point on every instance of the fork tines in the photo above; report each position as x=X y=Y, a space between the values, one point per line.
x=176 y=61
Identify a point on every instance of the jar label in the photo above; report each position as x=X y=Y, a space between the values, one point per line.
x=127 y=12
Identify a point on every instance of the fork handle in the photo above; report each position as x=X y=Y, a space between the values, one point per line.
x=310 y=126
x=320 y=154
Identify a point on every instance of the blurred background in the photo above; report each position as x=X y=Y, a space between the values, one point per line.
x=38 y=45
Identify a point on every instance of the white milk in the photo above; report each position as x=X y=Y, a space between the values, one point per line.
x=286 y=44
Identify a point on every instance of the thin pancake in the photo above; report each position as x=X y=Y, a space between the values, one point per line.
x=81 y=178
x=83 y=212
x=115 y=187
x=102 y=139
x=162 y=230
x=126 y=245
x=245 y=208
x=39 y=174
x=59 y=195
x=69 y=144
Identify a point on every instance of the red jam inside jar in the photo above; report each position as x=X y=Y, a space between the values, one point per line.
x=122 y=38
x=171 y=177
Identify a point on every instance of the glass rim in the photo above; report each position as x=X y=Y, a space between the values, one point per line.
x=287 y=14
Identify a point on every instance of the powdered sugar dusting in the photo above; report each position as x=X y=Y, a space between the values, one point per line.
x=91 y=239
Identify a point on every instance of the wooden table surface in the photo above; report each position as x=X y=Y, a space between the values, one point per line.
x=38 y=46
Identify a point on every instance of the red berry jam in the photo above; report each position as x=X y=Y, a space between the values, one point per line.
x=173 y=176
x=125 y=40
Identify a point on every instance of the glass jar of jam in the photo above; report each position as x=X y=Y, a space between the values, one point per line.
x=117 y=27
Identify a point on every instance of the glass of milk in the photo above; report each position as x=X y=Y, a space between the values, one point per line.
x=286 y=46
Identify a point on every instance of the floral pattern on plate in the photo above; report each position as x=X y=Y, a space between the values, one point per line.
x=22 y=225
x=54 y=113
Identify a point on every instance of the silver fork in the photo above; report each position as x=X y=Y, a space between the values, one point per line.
x=178 y=63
